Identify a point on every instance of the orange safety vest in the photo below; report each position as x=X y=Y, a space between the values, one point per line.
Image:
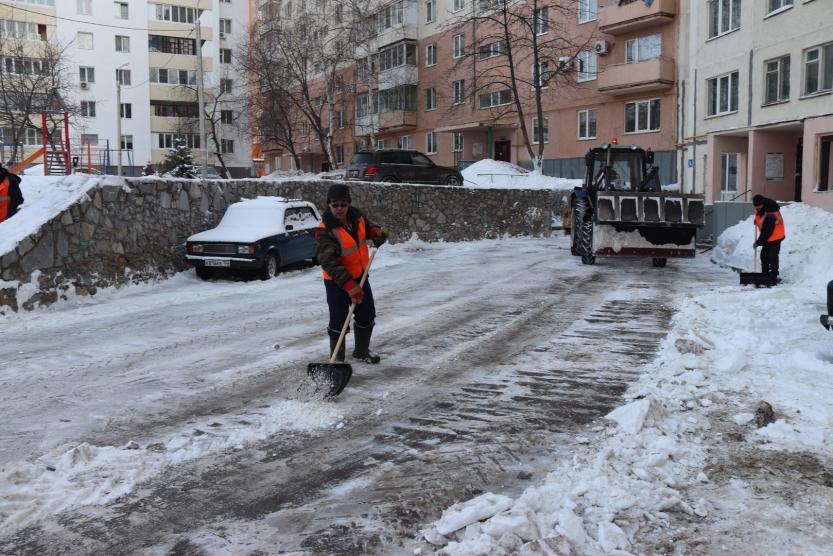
x=778 y=232
x=354 y=256
x=5 y=200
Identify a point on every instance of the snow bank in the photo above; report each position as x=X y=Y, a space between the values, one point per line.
x=726 y=351
x=806 y=253
x=496 y=174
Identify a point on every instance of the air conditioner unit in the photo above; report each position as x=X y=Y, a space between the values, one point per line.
x=564 y=62
x=84 y=85
x=602 y=47
x=222 y=35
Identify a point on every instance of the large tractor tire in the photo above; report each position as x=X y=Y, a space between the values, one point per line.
x=581 y=233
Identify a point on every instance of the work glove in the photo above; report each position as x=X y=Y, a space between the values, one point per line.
x=356 y=294
x=379 y=237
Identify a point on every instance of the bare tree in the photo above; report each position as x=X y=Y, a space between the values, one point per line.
x=526 y=48
x=32 y=80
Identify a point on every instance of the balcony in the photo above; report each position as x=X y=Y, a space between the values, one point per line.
x=397 y=120
x=651 y=75
x=618 y=20
x=395 y=77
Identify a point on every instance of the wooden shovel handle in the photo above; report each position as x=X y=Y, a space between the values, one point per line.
x=352 y=308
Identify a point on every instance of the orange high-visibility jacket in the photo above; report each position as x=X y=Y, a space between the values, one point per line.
x=354 y=256
x=778 y=232
x=5 y=199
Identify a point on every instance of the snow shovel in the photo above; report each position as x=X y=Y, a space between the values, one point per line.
x=334 y=375
x=755 y=278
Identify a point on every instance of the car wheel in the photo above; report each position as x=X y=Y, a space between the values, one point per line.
x=270 y=267
x=205 y=273
x=390 y=179
x=453 y=179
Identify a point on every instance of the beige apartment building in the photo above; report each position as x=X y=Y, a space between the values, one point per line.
x=620 y=81
x=757 y=85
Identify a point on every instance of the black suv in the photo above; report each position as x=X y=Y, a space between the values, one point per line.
x=399 y=165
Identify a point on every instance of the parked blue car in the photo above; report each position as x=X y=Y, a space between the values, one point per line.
x=258 y=235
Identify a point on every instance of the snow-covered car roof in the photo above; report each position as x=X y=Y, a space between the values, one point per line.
x=252 y=219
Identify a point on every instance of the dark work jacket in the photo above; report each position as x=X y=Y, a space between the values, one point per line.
x=327 y=247
x=768 y=222
x=14 y=191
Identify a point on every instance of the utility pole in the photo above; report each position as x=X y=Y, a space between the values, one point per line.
x=201 y=101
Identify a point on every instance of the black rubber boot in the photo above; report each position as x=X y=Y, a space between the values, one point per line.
x=341 y=351
x=362 y=349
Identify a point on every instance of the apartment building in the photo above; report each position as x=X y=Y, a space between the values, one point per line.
x=429 y=93
x=758 y=109
x=134 y=70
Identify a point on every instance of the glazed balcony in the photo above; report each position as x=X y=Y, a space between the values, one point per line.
x=618 y=20
x=651 y=75
x=397 y=120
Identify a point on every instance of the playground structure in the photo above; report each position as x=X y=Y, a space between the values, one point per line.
x=57 y=157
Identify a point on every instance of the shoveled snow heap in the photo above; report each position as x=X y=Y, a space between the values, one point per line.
x=496 y=174
x=632 y=479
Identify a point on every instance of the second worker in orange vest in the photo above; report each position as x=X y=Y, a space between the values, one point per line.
x=771 y=232
x=341 y=249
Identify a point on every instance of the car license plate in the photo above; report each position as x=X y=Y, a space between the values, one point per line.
x=212 y=262
x=354 y=173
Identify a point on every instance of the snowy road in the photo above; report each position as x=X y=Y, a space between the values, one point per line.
x=161 y=418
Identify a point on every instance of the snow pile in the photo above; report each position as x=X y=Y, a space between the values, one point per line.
x=45 y=197
x=727 y=350
x=806 y=253
x=496 y=174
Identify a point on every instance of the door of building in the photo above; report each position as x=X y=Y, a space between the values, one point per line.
x=502 y=151
x=799 y=157
x=728 y=176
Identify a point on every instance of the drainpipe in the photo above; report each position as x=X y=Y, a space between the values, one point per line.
x=490 y=143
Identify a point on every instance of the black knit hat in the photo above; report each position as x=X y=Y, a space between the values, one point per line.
x=338 y=192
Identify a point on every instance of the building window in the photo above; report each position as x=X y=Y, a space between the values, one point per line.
x=818 y=69
x=339 y=154
x=226 y=116
x=457 y=144
x=777 y=81
x=543 y=77
x=227 y=146
x=84 y=40
x=126 y=142
x=775 y=5
x=173 y=76
x=458 y=5
x=89 y=138
x=87 y=74
x=403 y=142
x=176 y=14
x=122 y=43
x=722 y=94
x=120 y=10
x=225 y=85
x=492 y=50
x=642 y=116
x=225 y=26
x=88 y=108
x=587 y=66
x=459 y=92
x=430 y=98
x=430 y=54
x=123 y=76
x=728 y=176
x=172 y=45
x=402 y=54
x=542 y=20
x=166 y=140
x=340 y=120
x=431 y=142
x=459 y=42
x=24 y=30
x=825 y=150
x=537 y=131
x=430 y=11
x=225 y=55
x=380 y=144
x=587 y=124
x=643 y=48
x=85 y=7
x=495 y=98
x=724 y=16
x=588 y=10
x=126 y=110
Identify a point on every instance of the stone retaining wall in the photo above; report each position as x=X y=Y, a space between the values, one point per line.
x=136 y=232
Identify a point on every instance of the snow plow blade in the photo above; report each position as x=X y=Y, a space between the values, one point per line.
x=757 y=279
x=332 y=377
